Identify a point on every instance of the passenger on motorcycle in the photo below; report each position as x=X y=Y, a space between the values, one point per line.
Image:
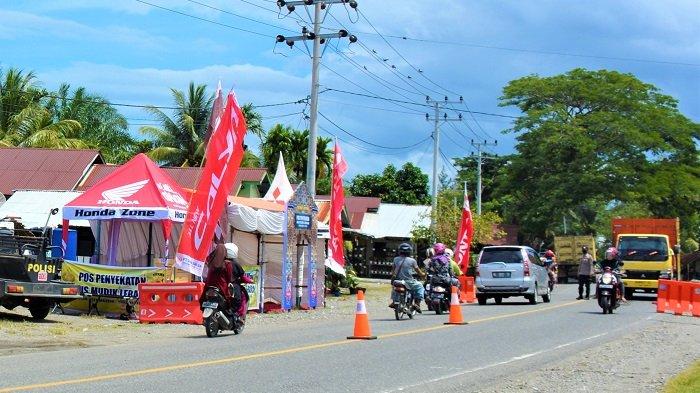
x=226 y=274
x=612 y=260
x=439 y=266
x=405 y=268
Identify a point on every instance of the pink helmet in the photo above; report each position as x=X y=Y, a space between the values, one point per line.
x=439 y=248
x=549 y=253
x=611 y=253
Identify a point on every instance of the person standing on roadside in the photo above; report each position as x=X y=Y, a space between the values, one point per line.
x=585 y=273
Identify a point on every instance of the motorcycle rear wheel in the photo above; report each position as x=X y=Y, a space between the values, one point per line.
x=211 y=326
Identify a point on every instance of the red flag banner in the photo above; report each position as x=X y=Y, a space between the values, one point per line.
x=465 y=235
x=336 y=259
x=223 y=158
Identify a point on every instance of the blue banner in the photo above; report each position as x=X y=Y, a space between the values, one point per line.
x=286 y=266
x=311 y=263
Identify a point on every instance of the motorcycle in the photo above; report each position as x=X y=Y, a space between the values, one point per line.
x=404 y=306
x=608 y=291
x=552 y=271
x=218 y=314
x=437 y=294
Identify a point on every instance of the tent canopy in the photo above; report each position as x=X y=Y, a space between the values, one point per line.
x=138 y=190
x=34 y=207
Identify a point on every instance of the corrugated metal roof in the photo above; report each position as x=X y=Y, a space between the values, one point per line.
x=185 y=177
x=44 y=169
x=34 y=207
x=393 y=220
x=356 y=207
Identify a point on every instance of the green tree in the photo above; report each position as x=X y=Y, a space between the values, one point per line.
x=180 y=139
x=102 y=126
x=17 y=92
x=293 y=144
x=408 y=185
x=588 y=138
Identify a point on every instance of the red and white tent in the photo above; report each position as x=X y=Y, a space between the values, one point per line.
x=138 y=192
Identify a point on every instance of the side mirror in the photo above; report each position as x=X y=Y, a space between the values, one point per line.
x=677 y=249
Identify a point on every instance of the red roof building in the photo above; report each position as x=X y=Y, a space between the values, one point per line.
x=356 y=207
x=44 y=169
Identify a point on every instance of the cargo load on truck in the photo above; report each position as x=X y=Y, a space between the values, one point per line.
x=568 y=252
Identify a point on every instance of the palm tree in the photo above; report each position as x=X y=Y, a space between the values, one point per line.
x=17 y=91
x=253 y=121
x=293 y=144
x=35 y=126
x=103 y=126
x=180 y=141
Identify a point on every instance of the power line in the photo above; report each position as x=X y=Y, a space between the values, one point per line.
x=371 y=143
x=415 y=103
x=545 y=52
x=204 y=19
x=239 y=16
x=366 y=149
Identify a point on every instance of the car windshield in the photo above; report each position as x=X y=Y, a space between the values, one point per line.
x=509 y=255
x=643 y=248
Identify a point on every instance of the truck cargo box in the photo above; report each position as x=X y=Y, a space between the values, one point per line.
x=660 y=226
x=568 y=248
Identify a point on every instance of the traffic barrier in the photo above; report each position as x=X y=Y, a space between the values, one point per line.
x=662 y=296
x=678 y=297
x=470 y=289
x=455 y=310
x=462 y=288
x=362 y=330
x=170 y=302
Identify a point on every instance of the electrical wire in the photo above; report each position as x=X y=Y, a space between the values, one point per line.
x=240 y=16
x=371 y=143
x=205 y=19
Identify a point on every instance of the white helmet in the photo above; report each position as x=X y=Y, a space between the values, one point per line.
x=449 y=252
x=231 y=250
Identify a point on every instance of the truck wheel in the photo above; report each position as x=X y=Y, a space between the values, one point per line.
x=39 y=311
x=629 y=293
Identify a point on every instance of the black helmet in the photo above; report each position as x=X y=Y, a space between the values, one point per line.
x=584 y=249
x=405 y=249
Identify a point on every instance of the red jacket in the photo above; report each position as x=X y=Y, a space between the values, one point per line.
x=220 y=278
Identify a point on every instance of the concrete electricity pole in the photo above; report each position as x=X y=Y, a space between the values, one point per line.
x=318 y=39
x=478 y=146
x=436 y=147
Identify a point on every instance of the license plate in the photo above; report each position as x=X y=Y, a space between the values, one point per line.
x=210 y=305
x=500 y=274
x=605 y=286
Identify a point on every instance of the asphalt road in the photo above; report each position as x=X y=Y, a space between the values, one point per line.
x=410 y=355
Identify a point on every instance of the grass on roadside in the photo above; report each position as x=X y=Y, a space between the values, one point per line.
x=687 y=381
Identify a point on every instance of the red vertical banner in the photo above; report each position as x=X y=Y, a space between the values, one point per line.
x=336 y=259
x=64 y=238
x=223 y=158
x=465 y=235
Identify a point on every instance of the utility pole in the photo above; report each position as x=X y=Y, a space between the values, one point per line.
x=318 y=39
x=436 y=146
x=478 y=146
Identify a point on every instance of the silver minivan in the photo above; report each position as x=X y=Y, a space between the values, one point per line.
x=505 y=271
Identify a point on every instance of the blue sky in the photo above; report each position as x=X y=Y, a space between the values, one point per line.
x=133 y=53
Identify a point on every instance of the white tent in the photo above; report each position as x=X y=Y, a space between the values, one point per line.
x=34 y=207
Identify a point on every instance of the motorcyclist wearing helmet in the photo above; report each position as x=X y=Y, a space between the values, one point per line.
x=405 y=268
x=612 y=260
x=439 y=266
x=226 y=274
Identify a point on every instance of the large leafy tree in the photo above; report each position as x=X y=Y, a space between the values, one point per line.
x=408 y=185
x=590 y=139
x=293 y=144
x=180 y=139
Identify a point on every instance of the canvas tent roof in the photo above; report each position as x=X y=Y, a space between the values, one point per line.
x=395 y=221
x=34 y=207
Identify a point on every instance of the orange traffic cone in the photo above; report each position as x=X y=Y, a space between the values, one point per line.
x=362 y=331
x=455 y=310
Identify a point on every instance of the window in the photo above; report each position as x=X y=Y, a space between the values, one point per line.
x=505 y=255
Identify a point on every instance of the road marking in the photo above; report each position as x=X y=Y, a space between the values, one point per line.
x=511 y=360
x=241 y=358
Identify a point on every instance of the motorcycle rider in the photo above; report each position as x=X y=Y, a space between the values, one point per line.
x=585 y=272
x=404 y=269
x=227 y=275
x=454 y=267
x=612 y=260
